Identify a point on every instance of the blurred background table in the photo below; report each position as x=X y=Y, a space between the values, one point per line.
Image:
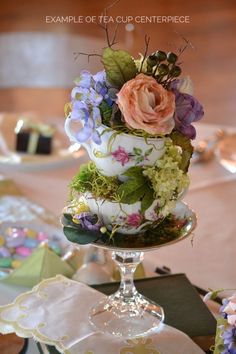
x=37 y=69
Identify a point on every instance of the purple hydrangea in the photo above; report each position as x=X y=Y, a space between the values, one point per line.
x=188 y=110
x=86 y=97
x=89 y=221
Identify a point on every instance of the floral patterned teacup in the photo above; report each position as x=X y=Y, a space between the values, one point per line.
x=120 y=151
x=127 y=218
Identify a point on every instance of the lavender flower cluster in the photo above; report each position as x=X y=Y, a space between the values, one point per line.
x=86 y=97
x=228 y=331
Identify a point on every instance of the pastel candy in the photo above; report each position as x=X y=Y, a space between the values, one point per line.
x=31 y=243
x=16 y=232
x=30 y=233
x=2 y=241
x=15 y=241
x=23 y=251
x=5 y=262
x=42 y=236
x=4 y=252
x=16 y=263
x=18 y=257
x=11 y=250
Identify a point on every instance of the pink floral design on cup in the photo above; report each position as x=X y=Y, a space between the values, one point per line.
x=121 y=155
x=134 y=219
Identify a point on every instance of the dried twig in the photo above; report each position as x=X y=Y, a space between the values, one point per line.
x=104 y=26
x=77 y=54
x=188 y=44
x=114 y=35
x=147 y=41
x=112 y=4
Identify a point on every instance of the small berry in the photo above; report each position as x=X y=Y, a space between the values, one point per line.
x=163 y=69
x=103 y=229
x=161 y=56
x=172 y=57
x=175 y=71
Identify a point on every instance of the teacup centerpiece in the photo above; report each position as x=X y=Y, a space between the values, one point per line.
x=134 y=118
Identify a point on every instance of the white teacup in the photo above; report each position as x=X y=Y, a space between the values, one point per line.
x=126 y=217
x=119 y=151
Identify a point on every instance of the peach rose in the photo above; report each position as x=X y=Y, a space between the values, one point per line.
x=146 y=105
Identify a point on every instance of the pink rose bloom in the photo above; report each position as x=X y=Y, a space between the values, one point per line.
x=230 y=309
x=146 y=105
x=134 y=219
x=121 y=155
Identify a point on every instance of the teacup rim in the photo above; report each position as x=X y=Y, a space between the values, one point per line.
x=131 y=135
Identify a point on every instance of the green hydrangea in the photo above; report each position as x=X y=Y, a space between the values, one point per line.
x=166 y=177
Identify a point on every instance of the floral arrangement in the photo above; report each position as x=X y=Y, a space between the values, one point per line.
x=141 y=96
x=145 y=100
x=225 y=342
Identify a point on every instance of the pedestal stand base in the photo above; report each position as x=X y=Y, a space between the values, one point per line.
x=135 y=317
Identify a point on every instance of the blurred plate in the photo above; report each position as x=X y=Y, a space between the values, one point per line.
x=26 y=162
x=226 y=152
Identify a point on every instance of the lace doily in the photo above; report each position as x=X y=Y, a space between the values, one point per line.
x=56 y=311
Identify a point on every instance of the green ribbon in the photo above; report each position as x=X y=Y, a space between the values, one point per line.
x=39 y=128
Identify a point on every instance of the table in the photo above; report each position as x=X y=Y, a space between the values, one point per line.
x=210 y=262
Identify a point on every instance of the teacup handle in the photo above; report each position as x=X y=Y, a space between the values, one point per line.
x=71 y=135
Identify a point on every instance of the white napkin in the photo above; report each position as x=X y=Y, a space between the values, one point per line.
x=56 y=311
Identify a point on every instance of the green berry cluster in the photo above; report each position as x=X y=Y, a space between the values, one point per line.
x=163 y=66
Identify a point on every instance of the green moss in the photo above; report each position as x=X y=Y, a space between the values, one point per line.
x=89 y=179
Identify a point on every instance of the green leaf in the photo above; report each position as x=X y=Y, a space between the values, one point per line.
x=139 y=159
x=148 y=198
x=187 y=149
x=135 y=171
x=66 y=220
x=137 y=151
x=136 y=188
x=119 y=66
x=131 y=191
x=80 y=236
x=106 y=112
x=148 y=152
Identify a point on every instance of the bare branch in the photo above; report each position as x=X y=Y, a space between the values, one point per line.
x=112 y=4
x=114 y=35
x=77 y=54
x=110 y=43
x=187 y=44
x=147 y=41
